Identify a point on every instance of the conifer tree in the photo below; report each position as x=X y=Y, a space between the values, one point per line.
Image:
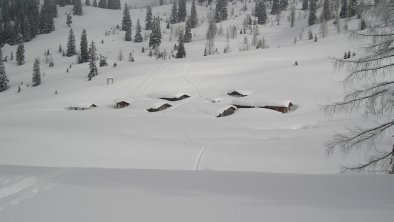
x=261 y=12
x=69 y=20
x=114 y=4
x=312 y=13
x=46 y=23
x=95 y=3
x=283 y=4
x=77 y=9
x=148 y=18
x=103 y=61
x=84 y=56
x=221 y=10
x=174 y=13
x=155 y=36
x=20 y=54
x=210 y=34
x=3 y=76
x=193 y=15
x=126 y=20
x=363 y=24
x=343 y=13
x=182 y=11
x=181 y=48
x=138 y=36
x=275 y=7
x=102 y=4
x=353 y=4
x=71 y=49
x=304 y=5
x=326 y=10
x=36 y=73
x=87 y=2
x=128 y=34
x=26 y=30
x=92 y=61
x=188 y=34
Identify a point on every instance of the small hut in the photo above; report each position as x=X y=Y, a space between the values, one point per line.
x=159 y=108
x=237 y=93
x=283 y=107
x=84 y=106
x=227 y=112
x=121 y=104
x=176 y=98
x=261 y=102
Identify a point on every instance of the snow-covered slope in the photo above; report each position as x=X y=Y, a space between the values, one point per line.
x=101 y=195
x=38 y=129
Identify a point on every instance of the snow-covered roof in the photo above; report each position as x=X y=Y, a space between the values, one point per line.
x=169 y=94
x=158 y=104
x=256 y=101
x=83 y=105
x=121 y=100
x=240 y=91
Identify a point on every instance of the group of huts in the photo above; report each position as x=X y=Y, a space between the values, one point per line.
x=243 y=101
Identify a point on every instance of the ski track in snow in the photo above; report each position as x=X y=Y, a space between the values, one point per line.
x=13 y=191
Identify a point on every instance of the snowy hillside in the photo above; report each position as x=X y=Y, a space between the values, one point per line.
x=186 y=162
x=250 y=140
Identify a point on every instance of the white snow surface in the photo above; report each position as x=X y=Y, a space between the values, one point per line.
x=101 y=195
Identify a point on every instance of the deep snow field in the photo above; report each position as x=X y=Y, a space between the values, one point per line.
x=183 y=163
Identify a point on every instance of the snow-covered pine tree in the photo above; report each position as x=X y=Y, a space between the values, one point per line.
x=174 y=13
x=363 y=24
x=292 y=14
x=71 y=49
x=114 y=4
x=261 y=12
x=77 y=9
x=182 y=10
x=188 y=31
x=326 y=10
x=103 y=61
x=181 y=48
x=210 y=34
x=312 y=13
x=36 y=80
x=275 y=7
x=26 y=30
x=193 y=15
x=283 y=4
x=3 y=76
x=127 y=36
x=221 y=10
x=148 y=18
x=84 y=54
x=352 y=10
x=343 y=13
x=155 y=36
x=126 y=20
x=69 y=20
x=304 y=5
x=20 y=54
x=102 y=4
x=138 y=36
x=92 y=61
